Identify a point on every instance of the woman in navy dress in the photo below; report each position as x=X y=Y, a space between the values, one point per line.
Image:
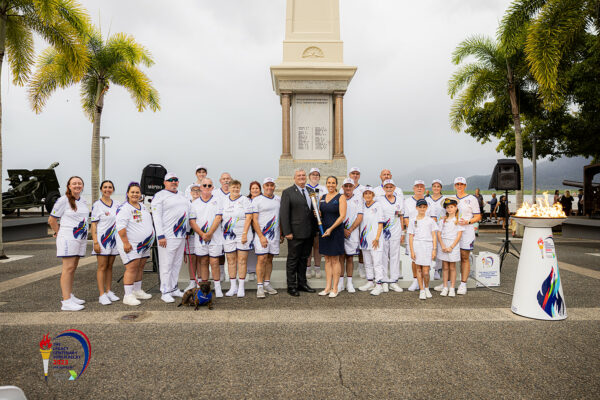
x=332 y=207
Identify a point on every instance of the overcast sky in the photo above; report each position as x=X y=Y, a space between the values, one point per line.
x=218 y=105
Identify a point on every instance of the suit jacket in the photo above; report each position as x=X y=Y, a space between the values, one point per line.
x=295 y=216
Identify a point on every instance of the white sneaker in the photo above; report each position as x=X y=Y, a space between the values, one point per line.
x=241 y=292
x=260 y=293
x=422 y=295
x=444 y=292
x=232 y=291
x=385 y=287
x=361 y=271
x=341 y=285
x=177 y=293
x=104 y=300
x=76 y=300
x=270 y=289
x=451 y=292
x=218 y=292
x=428 y=293
x=439 y=287
x=436 y=275
x=140 y=294
x=462 y=289
x=396 y=288
x=378 y=290
x=414 y=286
x=318 y=273
x=69 y=305
x=350 y=288
x=112 y=296
x=367 y=286
x=192 y=285
x=130 y=300
x=167 y=298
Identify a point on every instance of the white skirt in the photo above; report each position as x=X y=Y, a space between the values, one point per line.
x=423 y=250
x=453 y=256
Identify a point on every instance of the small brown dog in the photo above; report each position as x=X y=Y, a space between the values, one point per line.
x=198 y=297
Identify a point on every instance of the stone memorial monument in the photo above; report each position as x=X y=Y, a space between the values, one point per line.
x=311 y=83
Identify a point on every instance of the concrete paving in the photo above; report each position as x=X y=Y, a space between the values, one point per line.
x=356 y=345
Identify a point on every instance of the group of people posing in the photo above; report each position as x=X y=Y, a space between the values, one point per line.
x=205 y=223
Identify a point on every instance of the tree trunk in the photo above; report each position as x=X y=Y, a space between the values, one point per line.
x=3 y=19
x=514 y=105
x=96 y=141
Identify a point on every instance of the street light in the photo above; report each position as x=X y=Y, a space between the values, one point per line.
x=104 y=156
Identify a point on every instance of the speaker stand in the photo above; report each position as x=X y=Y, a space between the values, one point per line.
x=505 y=249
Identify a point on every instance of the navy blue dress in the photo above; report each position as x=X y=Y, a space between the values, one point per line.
x=332 y=245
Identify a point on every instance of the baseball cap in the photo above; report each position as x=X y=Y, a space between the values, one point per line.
x=170 y=175
x=268 y=180
x=354 y=169
x=388 y=182
x=348 y=181
x=450 y=201
x=368 y=188
x=200 y=166
x=419 y=182
x=195 y=185
x=421 y=202
x=314 y=170
x=436 y=181
x=460 y=179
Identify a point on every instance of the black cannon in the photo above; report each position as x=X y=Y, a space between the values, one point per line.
x=29 y=189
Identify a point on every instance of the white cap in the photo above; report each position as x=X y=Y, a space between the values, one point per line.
x=268 y=180
x=460 y=179
x=419 y=182
x=354 y=169
x=388 y=182
x=314 y=170
x=368 y=188
x=200 y=166
x=170 y=175
x=195 y=185
x=436 y=181
x=348 y=181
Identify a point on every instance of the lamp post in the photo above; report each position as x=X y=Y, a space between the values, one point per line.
x=104 y=156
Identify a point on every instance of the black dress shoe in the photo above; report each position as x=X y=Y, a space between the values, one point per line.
x=293 y=292
x=306 y=288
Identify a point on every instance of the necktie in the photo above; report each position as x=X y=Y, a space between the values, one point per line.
x=306 y=197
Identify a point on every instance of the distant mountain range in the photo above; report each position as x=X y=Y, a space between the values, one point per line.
x=550 y=174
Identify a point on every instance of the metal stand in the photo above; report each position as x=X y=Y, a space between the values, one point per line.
x=506 y=243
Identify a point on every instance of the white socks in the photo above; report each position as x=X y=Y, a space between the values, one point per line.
x=463 y=284
x=241 y=292
x=137 y=286
x=232 y=287
x=348 y=281
x=128 y=289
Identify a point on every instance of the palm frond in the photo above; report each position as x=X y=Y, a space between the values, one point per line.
x=124 y=48
x=75 y=15
x=462 y=77
x=516 y=18
x=483 y=48
x=20 y=50
x=46 y=10
x=53 y=72
x=558 y=24
x=88 y=93
x=136 y=83
x=481 y=87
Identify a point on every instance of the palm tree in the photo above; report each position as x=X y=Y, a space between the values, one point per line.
x=492 y=75
x=552 y=30
x=59 y=22
x=114 y=61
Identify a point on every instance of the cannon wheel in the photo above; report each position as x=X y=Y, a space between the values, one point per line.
x=50 y=200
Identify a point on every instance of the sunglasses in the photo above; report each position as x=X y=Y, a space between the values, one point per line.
x=208 y=186
x=173 y=180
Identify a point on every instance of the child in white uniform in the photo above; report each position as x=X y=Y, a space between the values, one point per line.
x=422 y=241
x=449 y=234
x=369 y=236
x=436 y=209
x=190 y=242
x=314 y=177
x=392 y=234
x=354 y=216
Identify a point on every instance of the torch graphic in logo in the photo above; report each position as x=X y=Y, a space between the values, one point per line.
x=541 y=246
x=45 y=349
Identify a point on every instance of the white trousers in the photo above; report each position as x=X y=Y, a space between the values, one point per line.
x=373 y=264
x=170 y=259
x=391 y=260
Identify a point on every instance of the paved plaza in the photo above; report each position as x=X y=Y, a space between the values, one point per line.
x=392 y=346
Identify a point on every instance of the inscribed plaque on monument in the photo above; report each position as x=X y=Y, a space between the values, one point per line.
x=312 y=122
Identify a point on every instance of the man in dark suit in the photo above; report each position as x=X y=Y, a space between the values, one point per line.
x=298 y=225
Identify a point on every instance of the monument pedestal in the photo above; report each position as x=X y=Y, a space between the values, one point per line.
x=337 y=167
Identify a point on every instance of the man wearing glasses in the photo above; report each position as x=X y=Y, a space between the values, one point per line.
x=170 y=212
